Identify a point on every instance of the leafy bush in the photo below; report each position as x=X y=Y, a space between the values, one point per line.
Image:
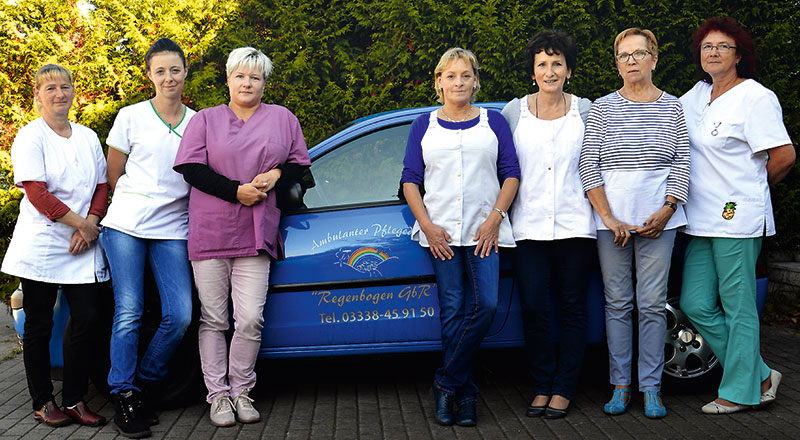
x=9 y=210
x=338 y=60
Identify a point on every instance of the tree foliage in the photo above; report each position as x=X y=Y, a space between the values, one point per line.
x=338 y=60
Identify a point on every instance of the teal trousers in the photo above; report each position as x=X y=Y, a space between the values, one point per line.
x=719 y=297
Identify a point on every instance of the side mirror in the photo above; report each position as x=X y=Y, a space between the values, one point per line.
x=292 y=197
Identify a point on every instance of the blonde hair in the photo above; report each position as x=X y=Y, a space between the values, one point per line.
x=251 y=58
x=652 y=44
x=452 y=54
x=50 y=72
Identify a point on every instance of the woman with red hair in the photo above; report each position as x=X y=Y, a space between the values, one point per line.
x=739 y=147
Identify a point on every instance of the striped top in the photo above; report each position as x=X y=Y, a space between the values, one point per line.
x=639 y=152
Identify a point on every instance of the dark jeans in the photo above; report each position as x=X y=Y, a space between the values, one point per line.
x=561 y=266
x=38 y=305
x=467 y=287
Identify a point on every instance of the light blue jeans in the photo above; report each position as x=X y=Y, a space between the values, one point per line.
x=650 y=258
x=169 y=261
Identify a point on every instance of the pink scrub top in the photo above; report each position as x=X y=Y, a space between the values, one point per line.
x=238 y=150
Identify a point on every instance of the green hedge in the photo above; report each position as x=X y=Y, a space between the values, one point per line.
x=340 y=60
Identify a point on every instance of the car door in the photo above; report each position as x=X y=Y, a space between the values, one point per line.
x=353 y=281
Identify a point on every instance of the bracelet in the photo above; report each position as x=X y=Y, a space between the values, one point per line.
x=502 y=213
x=674 y=206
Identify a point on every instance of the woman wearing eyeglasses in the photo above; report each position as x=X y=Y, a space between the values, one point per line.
x=739 y=147
x=635 y=171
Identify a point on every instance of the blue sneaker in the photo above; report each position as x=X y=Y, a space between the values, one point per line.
x=619 y=402
x=653 y=405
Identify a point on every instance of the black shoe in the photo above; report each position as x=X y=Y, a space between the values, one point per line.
x=466 y=414
x=146 y=412
x=535 y=411
x=126 y=420
x=444 y=407
x=554 y=413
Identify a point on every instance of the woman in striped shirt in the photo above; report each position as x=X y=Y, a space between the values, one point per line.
x=635 y=171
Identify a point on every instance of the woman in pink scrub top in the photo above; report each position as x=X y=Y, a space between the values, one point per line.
x=233 y=156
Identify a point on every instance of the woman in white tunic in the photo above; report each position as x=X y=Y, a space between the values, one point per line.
x=60 y=165
x=739 y=147
x=147 y=222
x=552 y=221
x=458 y=152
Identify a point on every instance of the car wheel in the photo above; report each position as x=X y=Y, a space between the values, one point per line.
x=689 y=361
x=183 y=384
x=100 y=362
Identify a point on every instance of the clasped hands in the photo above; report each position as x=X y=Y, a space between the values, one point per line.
x=83 y=237
x=651 y=228
x=254 y=192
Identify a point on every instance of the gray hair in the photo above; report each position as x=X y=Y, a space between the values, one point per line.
x=248 y=57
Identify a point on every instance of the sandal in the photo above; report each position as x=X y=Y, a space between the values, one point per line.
x=619 y=402
x=653 y=405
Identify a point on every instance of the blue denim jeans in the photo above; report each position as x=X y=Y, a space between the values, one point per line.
x=554 y=270
x=467 y=287
x=169 y=261
x=652 y=259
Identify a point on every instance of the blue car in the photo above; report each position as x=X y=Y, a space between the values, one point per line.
x=354 y=283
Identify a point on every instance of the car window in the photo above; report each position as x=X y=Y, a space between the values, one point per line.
x=364 y=170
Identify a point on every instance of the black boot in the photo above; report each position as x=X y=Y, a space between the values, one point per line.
x=444 y=407
x=127 y=421
x=146 y=411
x=466 y=414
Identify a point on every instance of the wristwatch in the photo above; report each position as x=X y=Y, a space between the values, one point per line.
x=502 y=213
x=674 y=206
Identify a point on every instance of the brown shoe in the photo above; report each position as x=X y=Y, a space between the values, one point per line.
x=51 y=415
x=80 y=413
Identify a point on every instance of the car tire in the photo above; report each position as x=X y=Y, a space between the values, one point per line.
x=183 y=384
x=100 y=362
x=689 y=363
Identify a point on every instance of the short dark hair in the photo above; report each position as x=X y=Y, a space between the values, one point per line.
x=745 y=47
x=552 y=42
x=163 y=45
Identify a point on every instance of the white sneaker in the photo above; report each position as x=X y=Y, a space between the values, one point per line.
x=221 y=412
x=245 y=411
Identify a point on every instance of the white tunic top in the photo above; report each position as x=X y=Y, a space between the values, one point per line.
x=72 y=168
x=729 y=138
x=550 y=204
x=151 y=200
x=461 y=181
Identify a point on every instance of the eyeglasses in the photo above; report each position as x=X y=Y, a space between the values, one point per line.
x=721 y=48
x=638 y=55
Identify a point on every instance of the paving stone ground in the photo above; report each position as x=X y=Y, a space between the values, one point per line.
x=388 y=397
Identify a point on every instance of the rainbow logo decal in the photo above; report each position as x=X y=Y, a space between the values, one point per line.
x=363 y=260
